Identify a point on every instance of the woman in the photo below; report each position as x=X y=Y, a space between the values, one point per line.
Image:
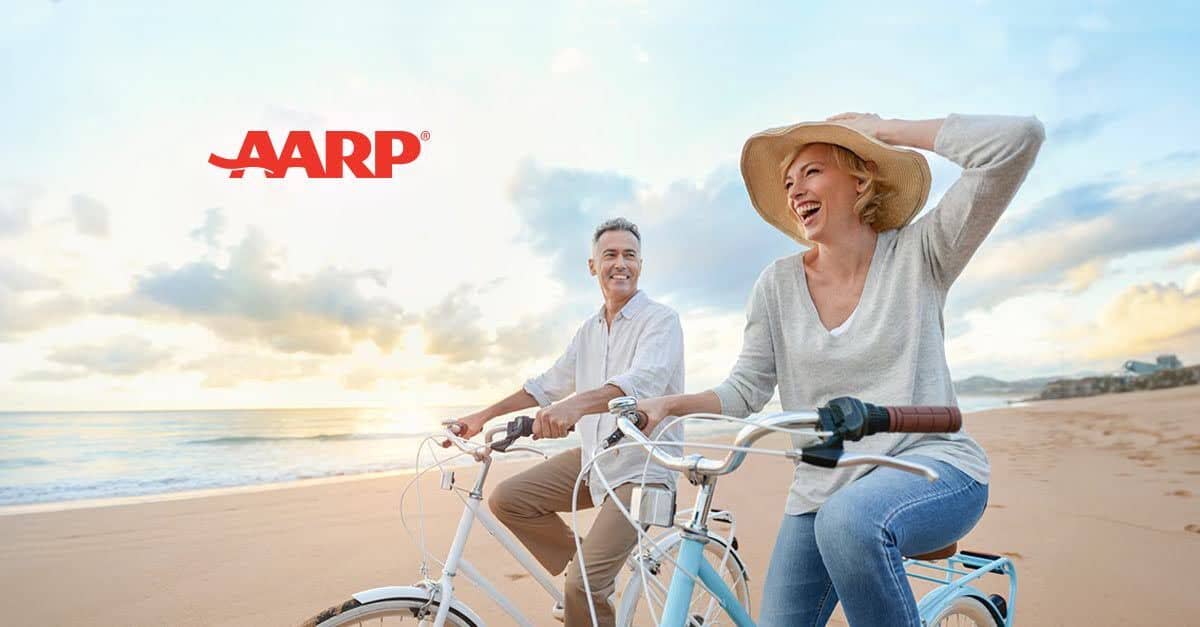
x=860 y=313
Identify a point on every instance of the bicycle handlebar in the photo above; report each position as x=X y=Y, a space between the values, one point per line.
x=706 y=466
x=844 y=417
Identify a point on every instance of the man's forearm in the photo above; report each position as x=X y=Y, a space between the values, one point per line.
x=594 y=401
x=513 y=402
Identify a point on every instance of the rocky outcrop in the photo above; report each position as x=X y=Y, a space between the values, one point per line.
x=1092 y=386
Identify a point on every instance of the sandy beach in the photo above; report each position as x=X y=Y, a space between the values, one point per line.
x=1097 y=501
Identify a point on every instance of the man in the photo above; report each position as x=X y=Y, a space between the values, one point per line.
x=632 y=347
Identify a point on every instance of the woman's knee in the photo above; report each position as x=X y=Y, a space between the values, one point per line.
x=843 y=522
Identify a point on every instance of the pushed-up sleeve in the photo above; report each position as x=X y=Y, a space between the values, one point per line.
x=995 y=152
x=751 y=383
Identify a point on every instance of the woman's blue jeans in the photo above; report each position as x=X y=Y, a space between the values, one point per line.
x=851 y=548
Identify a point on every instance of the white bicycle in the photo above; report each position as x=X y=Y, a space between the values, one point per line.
x=432 y=602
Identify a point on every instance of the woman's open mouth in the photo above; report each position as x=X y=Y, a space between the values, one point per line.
x=807 y=211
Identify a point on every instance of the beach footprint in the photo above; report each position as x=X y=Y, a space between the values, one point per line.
x=1194 y=528
x=1184 y=493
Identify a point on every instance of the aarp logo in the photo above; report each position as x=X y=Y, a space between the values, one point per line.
x=349 y=152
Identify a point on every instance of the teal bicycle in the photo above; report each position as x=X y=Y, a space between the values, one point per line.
x=955 y=601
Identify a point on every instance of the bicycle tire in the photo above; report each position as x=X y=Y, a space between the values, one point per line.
x=734 y=573
x=965 y=610
x=405 y=611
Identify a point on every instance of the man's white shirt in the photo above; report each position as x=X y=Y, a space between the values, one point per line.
x=642 y=354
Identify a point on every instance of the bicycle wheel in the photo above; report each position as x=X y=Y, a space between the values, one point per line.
x=397 y=611
x=965 y=611
x=643 y=605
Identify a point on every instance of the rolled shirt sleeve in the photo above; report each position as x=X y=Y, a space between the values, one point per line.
x=558 y=382
x=656 y=359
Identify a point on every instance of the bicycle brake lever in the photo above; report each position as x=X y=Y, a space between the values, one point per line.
x=637 y=417
x=517 y=428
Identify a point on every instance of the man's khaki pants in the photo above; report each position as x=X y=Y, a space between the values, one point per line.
x=528 y=503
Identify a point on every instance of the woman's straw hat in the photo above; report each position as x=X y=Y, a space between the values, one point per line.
x=904 y=172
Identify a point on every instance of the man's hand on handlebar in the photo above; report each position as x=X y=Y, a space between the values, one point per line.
x=466 y=427
x=555 y=420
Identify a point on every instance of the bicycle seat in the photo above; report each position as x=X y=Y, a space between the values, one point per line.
x=939 y=554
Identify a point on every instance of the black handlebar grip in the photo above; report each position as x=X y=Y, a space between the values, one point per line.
x=923 y=419
x=522 y=427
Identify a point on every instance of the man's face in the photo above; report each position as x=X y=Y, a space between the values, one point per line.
x=617 y=263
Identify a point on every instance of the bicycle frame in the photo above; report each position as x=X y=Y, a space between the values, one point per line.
x=455 y=562
x=690 y=565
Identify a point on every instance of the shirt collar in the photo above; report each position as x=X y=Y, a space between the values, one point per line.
x=635 y=306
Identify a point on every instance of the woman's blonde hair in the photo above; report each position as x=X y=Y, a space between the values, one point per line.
x=872 y=197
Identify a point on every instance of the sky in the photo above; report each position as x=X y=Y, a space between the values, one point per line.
x=135 y=275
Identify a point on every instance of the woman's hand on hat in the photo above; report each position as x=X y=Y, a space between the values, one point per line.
x=868 y=124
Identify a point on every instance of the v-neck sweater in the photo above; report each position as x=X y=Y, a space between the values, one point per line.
x=894 y=353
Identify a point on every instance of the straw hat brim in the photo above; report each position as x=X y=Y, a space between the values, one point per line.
x=905 y=173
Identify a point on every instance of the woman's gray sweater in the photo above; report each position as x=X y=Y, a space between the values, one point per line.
x=893 y=353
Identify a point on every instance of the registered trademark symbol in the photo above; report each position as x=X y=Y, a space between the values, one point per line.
x=424 y=136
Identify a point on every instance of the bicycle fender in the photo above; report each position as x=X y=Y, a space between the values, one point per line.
x=943 y=595
x=409 y=592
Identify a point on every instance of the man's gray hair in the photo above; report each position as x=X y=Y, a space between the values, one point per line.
x=616 y=224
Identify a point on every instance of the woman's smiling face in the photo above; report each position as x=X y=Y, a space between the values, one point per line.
x=821 y=194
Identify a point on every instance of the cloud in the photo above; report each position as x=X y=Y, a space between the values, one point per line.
x=16 y=215
x=703 y=243
x=1081 y=277
x=17 y=278
x=320 y=313
x=1178 y=157
x=1080 y=129
x=21 y=314
x=91 y=217
x=452 y=329
x=568 y=61
x=1188 y=257
x=1085 y=225
x=363 y=378
x=1144 y=319
x=213 y=228
x=533 y=337
x=473 y=375
x=51 y=376
x=120 y=356
x=233 y=369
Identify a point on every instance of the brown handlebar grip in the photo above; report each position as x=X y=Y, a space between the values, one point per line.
x=920 y=419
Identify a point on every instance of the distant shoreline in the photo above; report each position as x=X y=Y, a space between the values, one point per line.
x=249 y=488
x=1118 y=384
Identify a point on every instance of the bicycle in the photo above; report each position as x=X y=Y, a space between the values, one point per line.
x=953 y=601
x=433 y=602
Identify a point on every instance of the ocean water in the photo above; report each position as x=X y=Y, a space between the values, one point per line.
x=49 y=457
